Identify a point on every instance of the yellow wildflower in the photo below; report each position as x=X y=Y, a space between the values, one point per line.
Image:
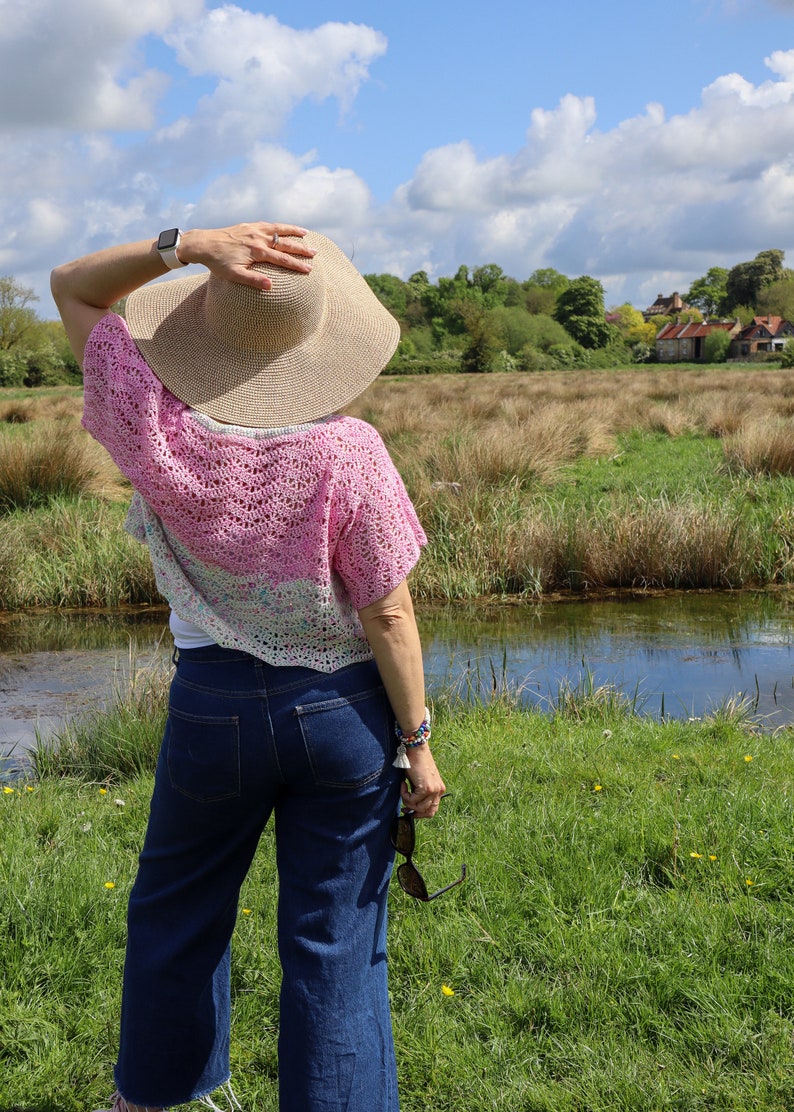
x=246 y=911
x=103 y=791
x=695 y=854
x=597 y=788
x=749 y=882
x=712 y=857
x=447 y=990
x=7 y=790
x=747 y=757
x=110 y=884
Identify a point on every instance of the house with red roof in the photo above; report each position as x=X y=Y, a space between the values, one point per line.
x=762 y=334
x=686 y=343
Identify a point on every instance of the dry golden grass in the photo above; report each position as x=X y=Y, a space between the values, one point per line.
x=762 y=447
x=41 y=405
x=480 y=456
x=600 y=404
x=44 y=452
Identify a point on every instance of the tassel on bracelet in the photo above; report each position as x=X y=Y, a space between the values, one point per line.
x=420 y=736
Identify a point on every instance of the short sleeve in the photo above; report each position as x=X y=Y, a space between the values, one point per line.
x=379 y=536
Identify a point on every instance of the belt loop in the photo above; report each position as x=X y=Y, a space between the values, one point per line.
x=175 y=655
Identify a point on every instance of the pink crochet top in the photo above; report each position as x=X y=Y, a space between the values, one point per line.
x=268 y=540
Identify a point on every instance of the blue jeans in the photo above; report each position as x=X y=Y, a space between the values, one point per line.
x=245 y=739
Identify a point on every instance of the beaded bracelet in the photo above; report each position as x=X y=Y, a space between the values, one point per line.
x=420 y=736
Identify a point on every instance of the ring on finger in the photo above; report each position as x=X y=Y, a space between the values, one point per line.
x=275 y=238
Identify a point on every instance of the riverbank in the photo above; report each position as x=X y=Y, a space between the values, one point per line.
x=526 y=485
x=618 y=946
x=673 y=654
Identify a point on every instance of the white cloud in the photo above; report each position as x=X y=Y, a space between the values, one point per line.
x=651 y=195
x=648 y=204
x=264 y=68
x=277 y=185
x=70 y=63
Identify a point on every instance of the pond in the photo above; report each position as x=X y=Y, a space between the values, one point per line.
x=680 y=655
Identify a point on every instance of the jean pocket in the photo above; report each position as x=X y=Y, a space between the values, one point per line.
x=203 y=755
x=348 y=739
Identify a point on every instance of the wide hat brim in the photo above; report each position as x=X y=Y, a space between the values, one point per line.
x=266 y=358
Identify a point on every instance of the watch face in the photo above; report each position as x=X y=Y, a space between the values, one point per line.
x=168 y=239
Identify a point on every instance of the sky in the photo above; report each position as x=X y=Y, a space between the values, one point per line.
x=637 y=143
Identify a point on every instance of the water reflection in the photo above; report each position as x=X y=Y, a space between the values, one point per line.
x=685 y=653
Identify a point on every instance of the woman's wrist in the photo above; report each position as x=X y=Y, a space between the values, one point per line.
x=189 y=246
x=419 y=736
x=411 y=741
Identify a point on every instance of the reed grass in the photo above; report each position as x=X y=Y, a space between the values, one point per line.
x=72 y=552
x=525 y=484
x=762 y=449
x=116 y=742
x=620 y=945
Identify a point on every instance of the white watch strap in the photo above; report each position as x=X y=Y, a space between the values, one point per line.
x=170 y=257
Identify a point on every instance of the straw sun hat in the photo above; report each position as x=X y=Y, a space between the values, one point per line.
x=266 y=358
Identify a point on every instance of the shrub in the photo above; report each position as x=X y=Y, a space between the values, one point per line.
x=51 y=461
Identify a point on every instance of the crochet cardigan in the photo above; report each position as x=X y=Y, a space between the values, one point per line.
x=268 y=540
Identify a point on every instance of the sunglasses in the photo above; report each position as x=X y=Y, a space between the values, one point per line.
x=403 y=838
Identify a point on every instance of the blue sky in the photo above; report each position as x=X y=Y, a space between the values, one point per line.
x=641 y=144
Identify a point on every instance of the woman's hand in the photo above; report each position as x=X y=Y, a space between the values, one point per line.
x=86 y=288
x=230 y=252
x=424 y=787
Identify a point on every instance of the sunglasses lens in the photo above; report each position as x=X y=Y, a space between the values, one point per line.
x=402 y=835
x=411 y=882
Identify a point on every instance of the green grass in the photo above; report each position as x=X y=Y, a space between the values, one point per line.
x=651 y=463
x=72 y=552
x=535 y=485
x=606 y=953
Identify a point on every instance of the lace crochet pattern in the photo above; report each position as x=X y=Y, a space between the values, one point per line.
x=269 y=540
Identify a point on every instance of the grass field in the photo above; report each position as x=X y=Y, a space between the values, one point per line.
x=525 y=484
x=623 y=942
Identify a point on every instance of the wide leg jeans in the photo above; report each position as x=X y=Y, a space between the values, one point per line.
x=243 y=740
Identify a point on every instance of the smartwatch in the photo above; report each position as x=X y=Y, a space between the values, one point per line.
x=167 y=243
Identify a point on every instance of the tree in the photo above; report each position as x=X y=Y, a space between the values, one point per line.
x=483 y=346
x=33 y=352
x=777 y=299
x=716 y=344
x=390 y=291
x=709 y=292
x=580 y=310
x=746 y=280
x=633 y=327
x=490 y=279
x=542 y=289
x=16 y=316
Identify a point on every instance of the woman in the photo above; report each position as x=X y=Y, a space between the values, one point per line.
x=281 y=536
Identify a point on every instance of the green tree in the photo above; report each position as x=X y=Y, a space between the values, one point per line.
x=746 y=280
x=716 y=344
x=33 y=352
x=633 y=327
x=777 y=299
x=580 y=310
x=390 y=291
x=17 y=319
x=483 y=342
x=709 y=292
x=542 y=289
x=490 y=280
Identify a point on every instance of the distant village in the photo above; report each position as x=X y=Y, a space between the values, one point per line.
x=685 y=341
